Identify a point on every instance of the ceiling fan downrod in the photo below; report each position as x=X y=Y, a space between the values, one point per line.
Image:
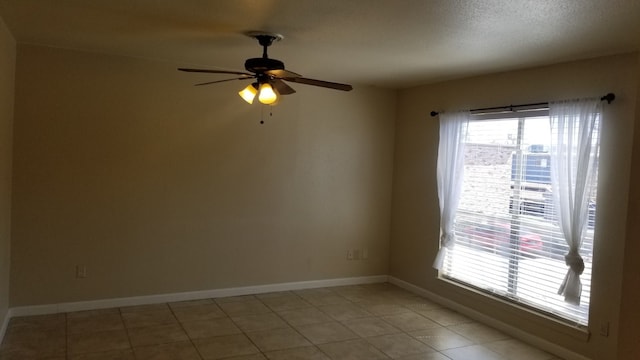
x=264 y=63
x=265 y=40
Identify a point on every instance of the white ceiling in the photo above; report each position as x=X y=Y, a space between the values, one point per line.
x=387 y=43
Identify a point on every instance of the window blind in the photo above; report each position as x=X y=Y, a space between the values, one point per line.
x=508 y=241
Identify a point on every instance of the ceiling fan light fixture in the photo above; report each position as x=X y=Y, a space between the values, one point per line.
x=249 y=93
x=267 y=95
x=270 y=75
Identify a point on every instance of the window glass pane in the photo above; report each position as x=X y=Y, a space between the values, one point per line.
x=508 y=241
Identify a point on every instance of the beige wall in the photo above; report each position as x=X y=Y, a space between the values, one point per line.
x=158 y=186
x=415 y=214
x=7 y=70
x=629 y=334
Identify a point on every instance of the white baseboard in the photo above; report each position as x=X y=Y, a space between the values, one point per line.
x=191 y=295
x=5 y=324
x=490 y=321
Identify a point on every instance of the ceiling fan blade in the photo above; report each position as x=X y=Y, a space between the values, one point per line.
x=281 y=87
x=326 y=84
x=214 y=71
x=219 y=81
x=282 y=73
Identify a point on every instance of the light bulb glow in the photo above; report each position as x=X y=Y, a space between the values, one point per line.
x=267 y=94
x=249 y=93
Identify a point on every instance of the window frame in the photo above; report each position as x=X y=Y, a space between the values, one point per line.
x=521 y=115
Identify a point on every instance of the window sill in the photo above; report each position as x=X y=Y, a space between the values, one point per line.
x=522 y=313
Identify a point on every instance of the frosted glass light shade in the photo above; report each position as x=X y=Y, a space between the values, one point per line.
x=249 y=93
x=267 y=95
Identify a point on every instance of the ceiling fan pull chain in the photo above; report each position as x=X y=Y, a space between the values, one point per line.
x=261 y=114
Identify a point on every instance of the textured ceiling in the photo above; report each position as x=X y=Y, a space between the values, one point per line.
x=387 y=43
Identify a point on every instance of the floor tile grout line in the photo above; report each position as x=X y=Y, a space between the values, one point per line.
x=341 y=322
x=291 y=326
x=66 y=336
x=316 y=346
x=301 y=334
x=359 y=337
x=185 y=332
x=380 y=317
x=245 y=333
x=126 y=330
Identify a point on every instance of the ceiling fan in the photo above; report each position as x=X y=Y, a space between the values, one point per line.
x=269 y=75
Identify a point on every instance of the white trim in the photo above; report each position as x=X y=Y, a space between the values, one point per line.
x=191 y=295
x=513 y=331
x=5 y=323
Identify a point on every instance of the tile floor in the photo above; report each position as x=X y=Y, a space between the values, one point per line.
x=377 y=321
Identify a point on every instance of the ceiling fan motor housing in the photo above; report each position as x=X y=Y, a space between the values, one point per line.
x=259 y=65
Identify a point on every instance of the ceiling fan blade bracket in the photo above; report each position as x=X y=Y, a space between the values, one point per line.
x=282 y=73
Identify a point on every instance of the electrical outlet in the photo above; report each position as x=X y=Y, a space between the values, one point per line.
x=604 y=329
x=357 y=254
x=81 y=271
x=349 y=254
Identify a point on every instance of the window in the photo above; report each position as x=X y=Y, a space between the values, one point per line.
x=508 y=240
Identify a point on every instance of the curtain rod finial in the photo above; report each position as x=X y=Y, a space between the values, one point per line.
x=609 y=97
x=434 y=113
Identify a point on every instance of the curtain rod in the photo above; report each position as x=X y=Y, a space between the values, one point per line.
x=609 y=98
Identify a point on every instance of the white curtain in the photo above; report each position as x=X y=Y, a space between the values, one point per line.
x=575 y=140
x=453 y=130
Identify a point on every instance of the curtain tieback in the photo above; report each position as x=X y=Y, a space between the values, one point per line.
x=446 y=240
x=575 y=262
